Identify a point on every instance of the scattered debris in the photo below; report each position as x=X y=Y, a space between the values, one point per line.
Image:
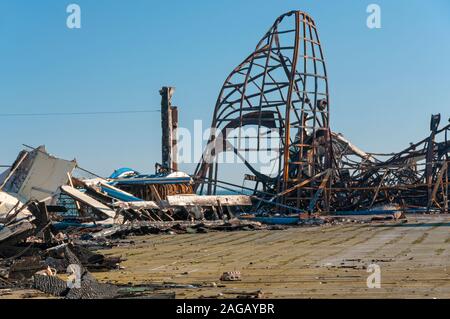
x=231 y=276
x=259 y=294
x=52 y=218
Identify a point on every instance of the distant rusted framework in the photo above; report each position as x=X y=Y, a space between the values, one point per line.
x=416 y=178
x=282 y=87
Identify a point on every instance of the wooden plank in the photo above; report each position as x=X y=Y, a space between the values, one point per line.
x=12 y=234
x=137 y=205
x=89 y=201
x=159 y=200
x=196 y=200
x=71 y=185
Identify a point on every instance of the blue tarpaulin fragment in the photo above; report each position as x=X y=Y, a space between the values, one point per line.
x=123 y=172
x=120 y=195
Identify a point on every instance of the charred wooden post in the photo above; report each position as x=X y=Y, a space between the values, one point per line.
x=168 y=113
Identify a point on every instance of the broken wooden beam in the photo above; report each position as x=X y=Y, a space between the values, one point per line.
x=89 y=201
x=137 y=205
x=15 y=233
x=197 y=200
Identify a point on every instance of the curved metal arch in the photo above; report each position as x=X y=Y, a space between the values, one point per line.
x=286 y=75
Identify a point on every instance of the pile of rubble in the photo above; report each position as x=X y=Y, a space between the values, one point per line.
x=51 y=222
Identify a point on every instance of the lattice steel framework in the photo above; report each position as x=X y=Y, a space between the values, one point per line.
x=282 y=86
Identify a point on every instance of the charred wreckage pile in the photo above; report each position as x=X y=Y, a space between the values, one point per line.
x=53 y=212
x=51 y=220
x=282 y=87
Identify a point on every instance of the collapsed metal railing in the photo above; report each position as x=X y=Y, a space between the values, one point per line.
x=416 y=177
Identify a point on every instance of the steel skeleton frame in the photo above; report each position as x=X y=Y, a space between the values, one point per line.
x=283 y=87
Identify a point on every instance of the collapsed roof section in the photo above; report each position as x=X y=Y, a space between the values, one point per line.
x=36 y=175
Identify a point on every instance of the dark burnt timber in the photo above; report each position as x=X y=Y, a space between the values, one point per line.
x=53 y=222
x=282 y=87
x=169 y=123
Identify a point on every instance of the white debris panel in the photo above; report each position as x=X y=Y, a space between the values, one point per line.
x=38 y=175
x=9 y=205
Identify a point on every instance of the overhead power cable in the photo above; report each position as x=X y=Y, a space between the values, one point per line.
x=76 y=113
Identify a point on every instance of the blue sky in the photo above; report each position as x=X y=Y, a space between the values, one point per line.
x=384 y=83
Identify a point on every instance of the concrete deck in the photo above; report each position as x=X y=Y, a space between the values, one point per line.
x=317 y=262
